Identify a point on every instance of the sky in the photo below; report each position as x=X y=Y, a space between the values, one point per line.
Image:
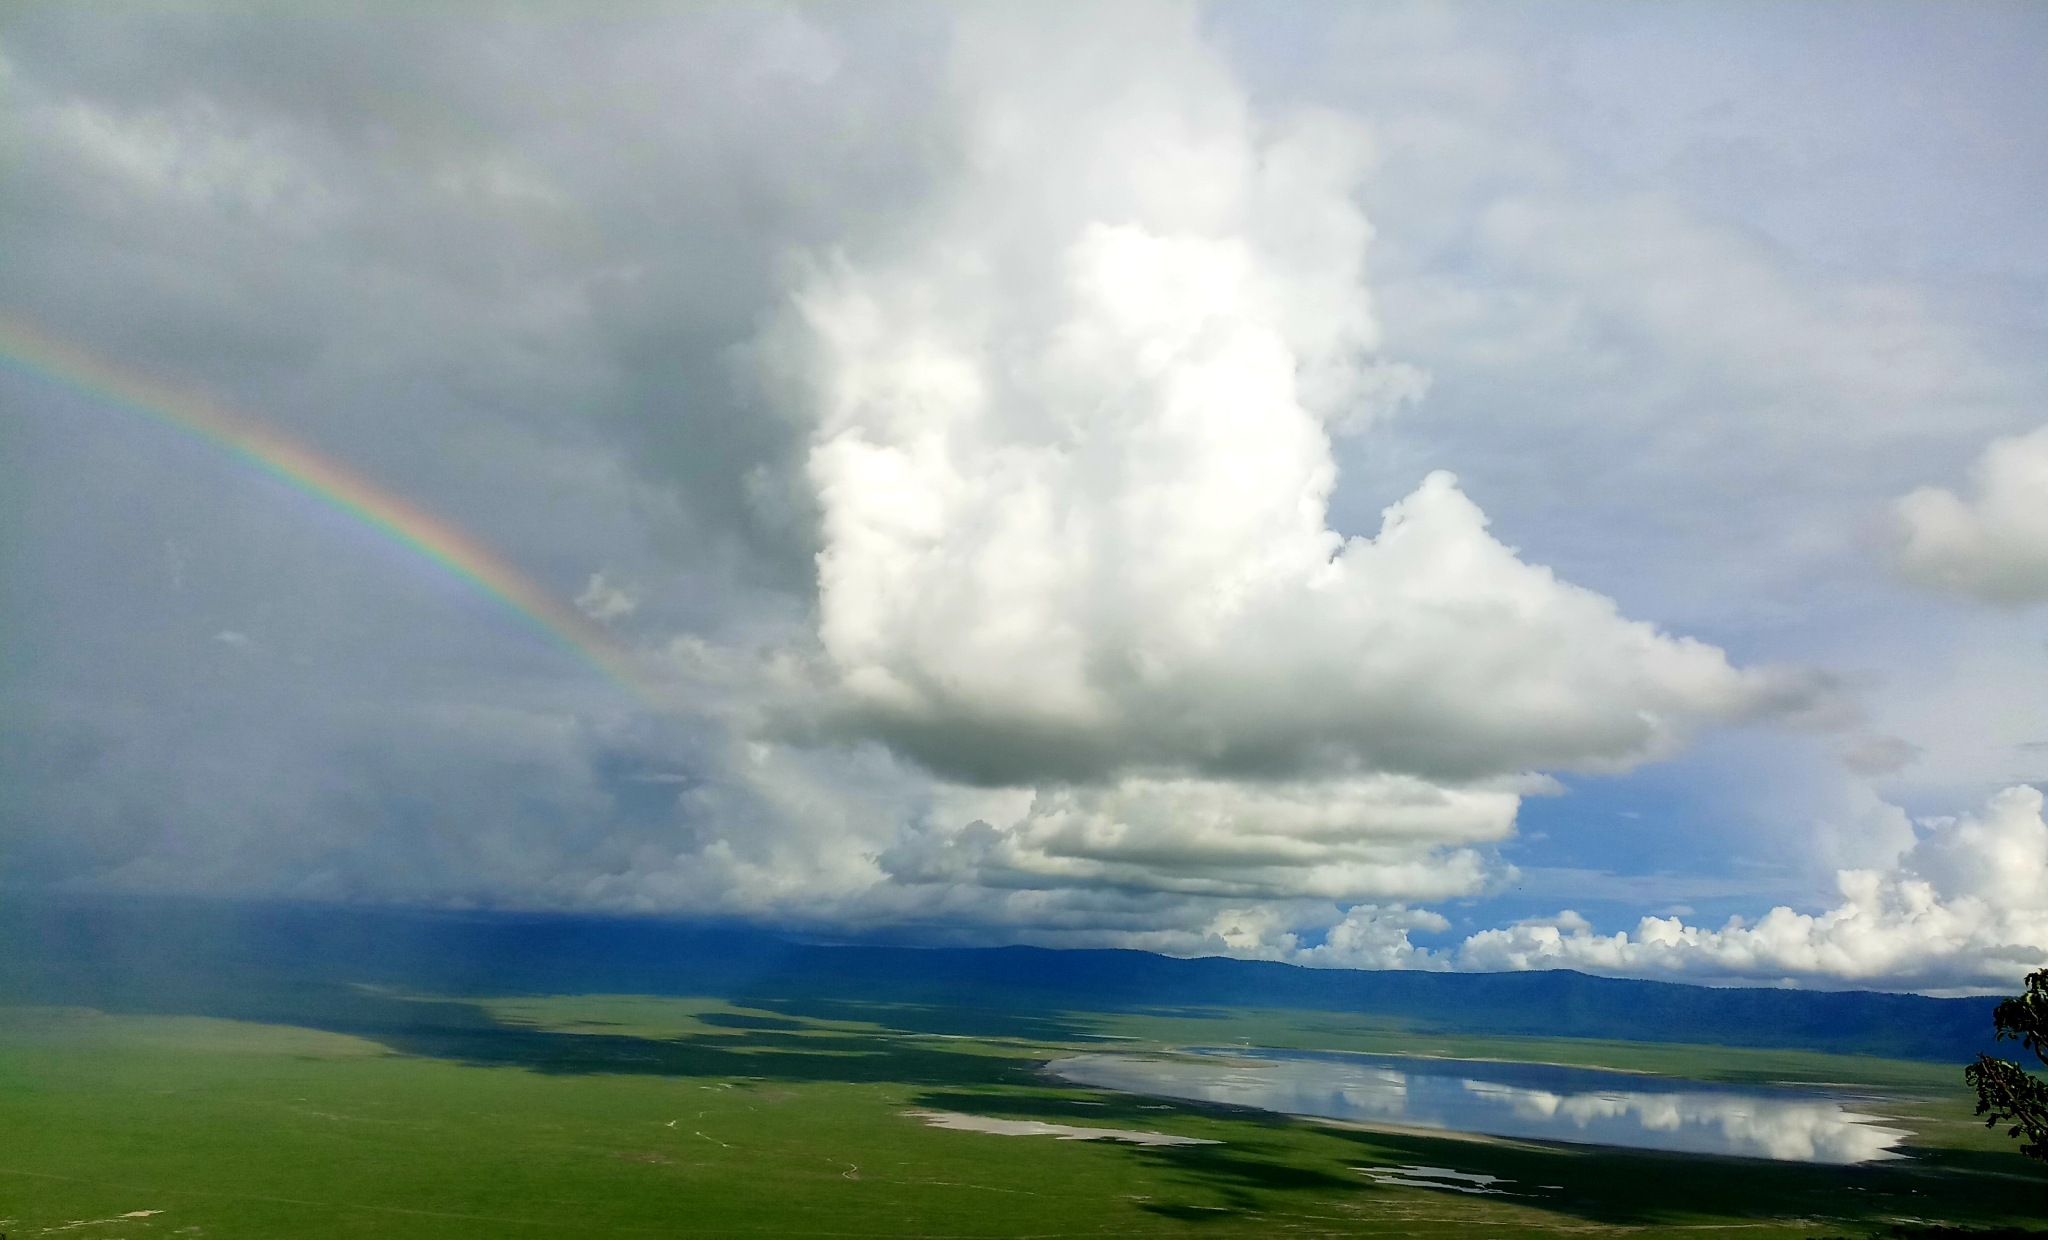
x=1490 y=486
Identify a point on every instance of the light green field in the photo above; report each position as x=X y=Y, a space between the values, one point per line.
x=644 y=1116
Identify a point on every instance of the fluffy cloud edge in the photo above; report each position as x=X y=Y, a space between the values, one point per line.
x=1994 y=547
x=1964 y=908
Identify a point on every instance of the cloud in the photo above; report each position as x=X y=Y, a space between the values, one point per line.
x=1994 y=547
x=602 y=601
x=1384 y=836
x=1073 y=463
x=1376 y=938
x=1965 y=907
x=1071 y=449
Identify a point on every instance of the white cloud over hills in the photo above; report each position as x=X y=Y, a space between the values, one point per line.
x=1965 y=906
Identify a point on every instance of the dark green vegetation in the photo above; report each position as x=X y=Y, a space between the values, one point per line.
x=2006 y=1093
x=633 y=1115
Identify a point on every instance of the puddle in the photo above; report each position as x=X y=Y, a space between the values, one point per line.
x=1539 y=1101
x=1436 y=1177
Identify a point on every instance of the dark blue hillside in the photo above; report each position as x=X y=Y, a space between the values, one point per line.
x=248 y=959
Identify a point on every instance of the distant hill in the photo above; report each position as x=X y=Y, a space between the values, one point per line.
x=301 y=962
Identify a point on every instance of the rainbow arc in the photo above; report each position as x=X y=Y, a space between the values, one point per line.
x=270 y=451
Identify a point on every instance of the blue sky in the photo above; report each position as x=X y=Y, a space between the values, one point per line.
x=983 y=426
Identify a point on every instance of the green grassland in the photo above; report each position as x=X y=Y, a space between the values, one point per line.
x=625 y=1115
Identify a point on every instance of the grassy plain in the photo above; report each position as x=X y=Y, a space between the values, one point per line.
x=628 y=1116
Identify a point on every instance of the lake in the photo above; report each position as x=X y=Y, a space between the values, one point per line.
x=1540 y=1101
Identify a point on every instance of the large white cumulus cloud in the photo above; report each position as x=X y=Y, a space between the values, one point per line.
x=1072 y=453
x=1965 y=906
x=1994 y=547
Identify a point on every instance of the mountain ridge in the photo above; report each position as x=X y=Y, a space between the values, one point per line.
x=171 y=953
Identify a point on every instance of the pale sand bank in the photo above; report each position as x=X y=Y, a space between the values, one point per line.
x=1036 y=1128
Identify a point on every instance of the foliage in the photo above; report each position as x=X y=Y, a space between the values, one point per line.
x=2005 y=1092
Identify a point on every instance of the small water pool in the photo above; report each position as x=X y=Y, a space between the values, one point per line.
x=1540 y=1101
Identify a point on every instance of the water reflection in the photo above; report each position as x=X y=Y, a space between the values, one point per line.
x=1511 y=1100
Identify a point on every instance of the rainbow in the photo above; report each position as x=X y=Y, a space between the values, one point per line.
x=263 y=448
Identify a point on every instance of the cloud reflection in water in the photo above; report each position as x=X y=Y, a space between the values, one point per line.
x=1513 y=1100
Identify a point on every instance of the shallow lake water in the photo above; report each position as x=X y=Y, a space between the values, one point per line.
x=1539 y=1101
